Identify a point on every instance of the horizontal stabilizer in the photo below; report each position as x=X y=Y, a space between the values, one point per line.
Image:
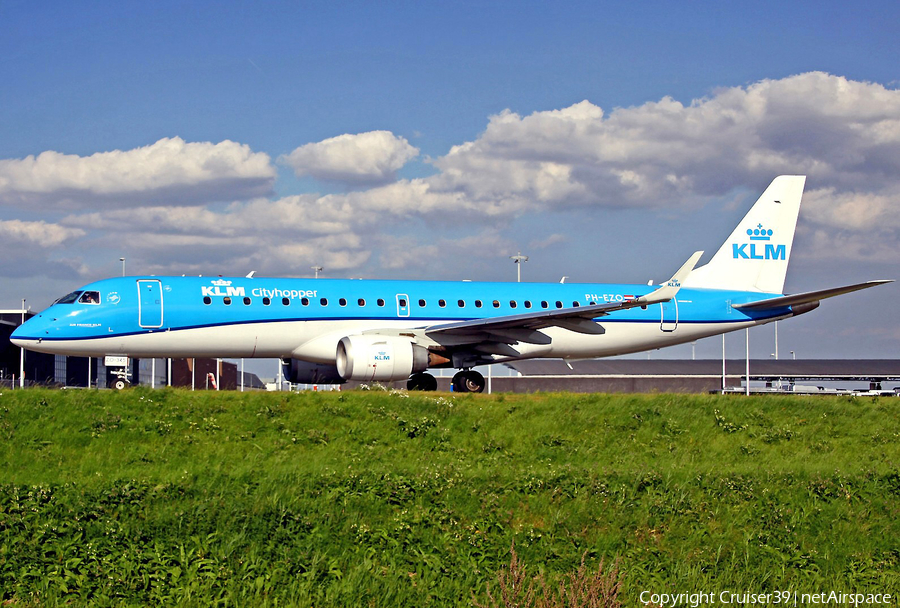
x=806 y=298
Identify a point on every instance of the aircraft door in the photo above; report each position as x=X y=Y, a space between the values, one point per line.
x=150 y=303
x=402 y=305
x=668 y=315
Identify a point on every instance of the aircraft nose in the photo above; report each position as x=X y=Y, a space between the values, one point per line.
x=26 y=334
x=17 y=337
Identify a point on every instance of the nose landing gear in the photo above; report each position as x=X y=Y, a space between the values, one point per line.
x=122 y=379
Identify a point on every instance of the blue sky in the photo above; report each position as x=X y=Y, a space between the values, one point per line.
x=606 y=140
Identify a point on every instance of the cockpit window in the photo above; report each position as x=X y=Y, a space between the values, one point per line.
x=89 y=297
x=68 y=299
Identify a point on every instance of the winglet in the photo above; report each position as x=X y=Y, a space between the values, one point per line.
x=670 y=288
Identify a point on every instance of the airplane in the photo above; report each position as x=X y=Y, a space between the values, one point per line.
x=334 y=330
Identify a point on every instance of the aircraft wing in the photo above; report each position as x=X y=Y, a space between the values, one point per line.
x=806 y=298
x=524 y=327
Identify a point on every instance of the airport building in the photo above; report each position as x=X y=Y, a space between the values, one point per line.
x=680 y=376
x=709 y=375
x=58 y=370
x=35 y=365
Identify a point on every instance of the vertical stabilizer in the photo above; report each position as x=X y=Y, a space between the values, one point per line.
x=755 y=257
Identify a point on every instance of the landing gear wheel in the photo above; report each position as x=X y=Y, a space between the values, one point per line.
x=421 y=382
x=118 y=384
x=468 y=381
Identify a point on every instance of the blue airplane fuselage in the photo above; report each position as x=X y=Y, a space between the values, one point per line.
x=230 y=315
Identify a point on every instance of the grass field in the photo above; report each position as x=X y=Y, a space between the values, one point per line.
x=371 y=498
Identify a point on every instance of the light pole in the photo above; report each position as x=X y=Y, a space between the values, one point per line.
x=748 y=361
x=22 y=353
x=519 y=259
x=317 y=270
x=123 y=265
x=723 y=364
x=776 y=340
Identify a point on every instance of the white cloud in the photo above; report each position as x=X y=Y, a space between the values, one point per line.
x=364 y=158
x=549 y=241
x=32 y=249
x=848 y=246
x=854 y=210
x=844 y=134
x=660 y=154
x=290 y=217
x=281 y=237
x=853 y=225
x=839 y=132
x=169 y=170
x=40 y=234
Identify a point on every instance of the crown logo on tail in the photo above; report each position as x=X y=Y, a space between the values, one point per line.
x=759 y=233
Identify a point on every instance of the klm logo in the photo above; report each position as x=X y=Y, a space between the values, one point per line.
x=758 y=248
x=222 y=288
x=382 y=356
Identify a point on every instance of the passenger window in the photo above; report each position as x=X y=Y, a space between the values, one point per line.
x=558 y=304
x=361 y=302
x=421 y=303
x=323 y=301
x=380 y=302
x=266 y=301
x=285 y=301
x=544 y=304
x=89 y=297
x=401 y=302
x=477 y=303
x=576 y=304
x=342 y=301
x=496 y=303
x=461 y=303
x=227 y=301
x=442 y=303
x=527 y=303
x=207 y=300
x=512 y=303
x=246 y=301
x=304 y=301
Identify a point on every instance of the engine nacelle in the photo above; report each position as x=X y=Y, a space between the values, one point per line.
x=305 y=372
x=381 y=358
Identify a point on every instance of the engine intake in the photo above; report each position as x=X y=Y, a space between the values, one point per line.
x=381 y=358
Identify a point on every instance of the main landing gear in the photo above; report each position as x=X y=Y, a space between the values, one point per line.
x=421 y=382
x=468 y=381
x=465 y=381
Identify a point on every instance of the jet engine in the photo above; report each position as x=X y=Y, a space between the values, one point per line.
x=381 y=358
